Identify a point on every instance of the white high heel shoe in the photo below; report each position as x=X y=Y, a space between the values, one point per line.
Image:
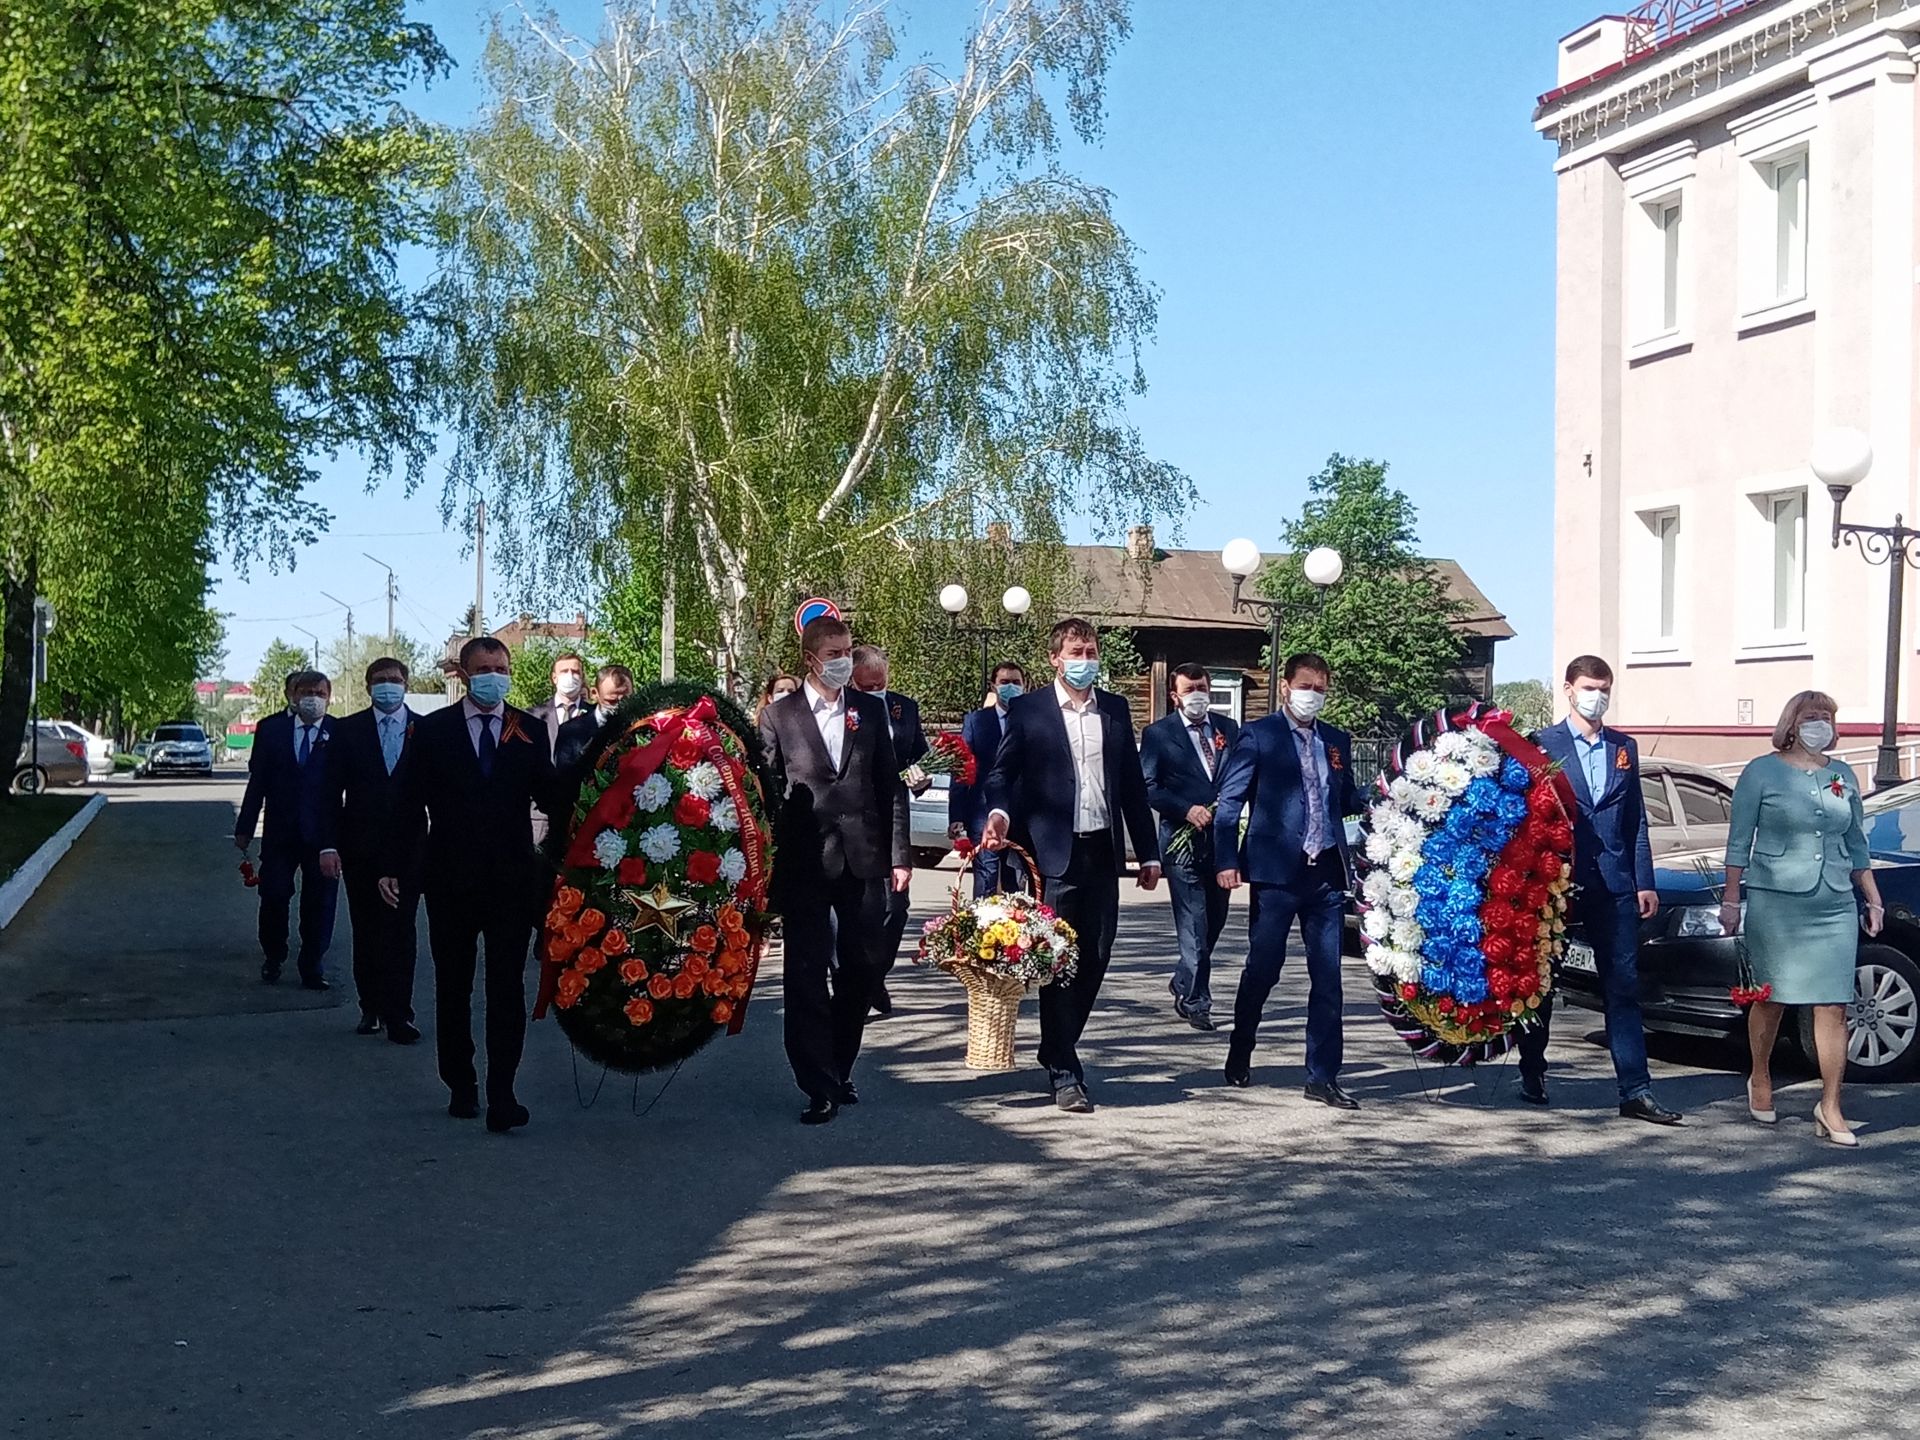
x=1764 y=1117
x=1827 y=1132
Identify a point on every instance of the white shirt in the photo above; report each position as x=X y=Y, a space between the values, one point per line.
x=300 y=727
x=1087 y=741
x=830 y=714
x=564 y=709
x=474 y=715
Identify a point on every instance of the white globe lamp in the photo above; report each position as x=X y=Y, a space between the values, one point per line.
x=1017 y=601
x=1840 y=459
x=953 y=599
x=1323 y=566
x=1241 y=558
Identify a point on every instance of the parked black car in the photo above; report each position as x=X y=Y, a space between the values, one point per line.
x=1687 y=966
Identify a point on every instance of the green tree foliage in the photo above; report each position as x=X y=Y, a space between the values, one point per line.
x=1530 y=701
x=347 y=669
x=197 y=293
x=746 y=305
x=269 y=679
x=1387 y=627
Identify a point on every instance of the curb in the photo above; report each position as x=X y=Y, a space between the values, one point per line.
x=30 y=876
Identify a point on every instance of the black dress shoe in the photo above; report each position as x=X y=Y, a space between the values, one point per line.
x=882 y=1002
x=1328 y=1092
x=464 y=1107
x=369 y=1025
x=1645 y=1107
x=849 y=1094
x=1238 y=1076
x=269 y=973
x=1201 y=1020
x=502 y=1118
x=819 y=1112
x=314 y=983
x=1072 y=1098
x=1534 y=1092
x=403 y=1032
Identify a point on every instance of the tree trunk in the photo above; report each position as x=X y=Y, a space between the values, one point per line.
x=669 y=621
x=16 y=662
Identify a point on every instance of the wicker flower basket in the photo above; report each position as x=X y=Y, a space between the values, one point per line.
x=993 y=994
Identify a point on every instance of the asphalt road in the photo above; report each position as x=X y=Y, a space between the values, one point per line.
x=226 y=1216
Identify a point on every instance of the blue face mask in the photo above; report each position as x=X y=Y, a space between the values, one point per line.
x=388 y=695
x=1008 y=693
x=1080 y=674
x=489 y=688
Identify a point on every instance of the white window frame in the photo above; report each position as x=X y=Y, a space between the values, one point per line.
x=1783 y=133
x=1756 y=545
x=1229 y=691
x=1658 y=253
x=1652 y=640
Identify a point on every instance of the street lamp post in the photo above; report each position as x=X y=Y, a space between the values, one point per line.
x=1322 y=567
x=1016 y=601
x=1840 y=460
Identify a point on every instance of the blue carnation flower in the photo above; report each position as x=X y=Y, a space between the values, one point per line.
x=1465 y=930
x=1433 y=979
x=1493 y=834
x=1430 y=881
x=1469 y=989
x=1432 y=914
x=1481 y=796
x=1512 y=808
x=1459 y=822
x=1463 y=896
x=1514 y=777
x=1441 y=847
x=1472 y=865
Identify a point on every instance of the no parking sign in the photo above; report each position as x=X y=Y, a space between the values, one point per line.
x=812 y=610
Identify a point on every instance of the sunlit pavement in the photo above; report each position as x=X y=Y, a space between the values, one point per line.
x=245 y=1221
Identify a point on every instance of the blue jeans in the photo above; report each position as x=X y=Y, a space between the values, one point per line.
x=997 y=870
x=1319 y=901
x=1199 y=914
x=1612 y=924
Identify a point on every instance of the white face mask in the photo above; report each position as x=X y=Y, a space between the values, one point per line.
x=311 y=709
x=834 y=674
x=1196 y=706
x=567 y=686
x=1591 y=704
x=1816 y=736
x=1306 y=704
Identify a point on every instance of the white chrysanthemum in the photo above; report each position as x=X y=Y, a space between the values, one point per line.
x=724 y=816
x=1483 y=760
x=1380 y=960
x=1432 y=804
x=1376 y=924
x=1480 y=740
x=704 y=780
x=1451 y=746
x=660 y=843
x=1403 y=900
x=1406 y=966
x=1404 y=865
x=609 y=848
x=1420 y=766
x=1407 y=935
x=1380 y=847
x=1452 y=777
x=1403 y=792
x=733 y=867
x=1411 y=832
x=1383 y=814
x=991 y=913
x=653 y=793
x=1377 y=887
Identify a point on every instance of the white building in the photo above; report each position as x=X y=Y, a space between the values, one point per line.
x=1737 y=263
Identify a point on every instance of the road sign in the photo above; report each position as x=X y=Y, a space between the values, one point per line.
x=812 y=610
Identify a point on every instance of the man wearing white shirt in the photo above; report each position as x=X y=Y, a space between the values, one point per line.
x=569 y=700
x=1065 y=780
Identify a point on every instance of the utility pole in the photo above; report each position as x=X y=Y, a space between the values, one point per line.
x=392 y=591
x=480 y=568
x=346 y=659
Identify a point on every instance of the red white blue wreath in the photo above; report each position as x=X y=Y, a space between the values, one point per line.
x=1465 y=879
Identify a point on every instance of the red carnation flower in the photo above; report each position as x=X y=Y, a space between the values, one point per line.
x=1497 y=948
x=684 y=754
x=1407 y=992
x=692 y=810
x=703 y=867
x=962 y=846
x=632 y=871
x=1445 y=1007
x=1547 y=867
x=1536 y=898
x=1542 y=801
x=1505 y=883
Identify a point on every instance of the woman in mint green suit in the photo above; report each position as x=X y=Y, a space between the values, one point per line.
x=1796 y=840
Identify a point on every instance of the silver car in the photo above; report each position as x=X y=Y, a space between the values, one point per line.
x=180 y=749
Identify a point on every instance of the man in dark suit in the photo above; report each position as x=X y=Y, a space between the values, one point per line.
x=1065 y=779
x=611 y=687
x=474 y=772
x=363 y=762
x=967 y=804
x=1292 y=778
x=1183 y=754
x=287 y=774
x=842 y=837
x=870 y=673
x=1613 y=884
x=567 y=703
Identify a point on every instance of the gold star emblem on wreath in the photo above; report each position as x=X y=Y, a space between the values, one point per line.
x=659 y=909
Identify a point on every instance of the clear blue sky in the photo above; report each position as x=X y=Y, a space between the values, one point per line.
x=1351 y=223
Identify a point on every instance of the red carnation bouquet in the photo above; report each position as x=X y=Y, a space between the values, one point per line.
x=950 y=755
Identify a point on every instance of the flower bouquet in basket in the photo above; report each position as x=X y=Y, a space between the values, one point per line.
x=998 y=947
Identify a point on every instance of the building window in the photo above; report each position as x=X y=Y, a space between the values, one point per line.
x=1661 y=272
x=1786 y=180
x=1786 y=516
x=1776 y=144
x=1229 y=689
x=1660 y=568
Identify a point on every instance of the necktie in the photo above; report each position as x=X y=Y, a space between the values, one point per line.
x=487 y=747
x=390 y=740
x=1206 y=750
x=1316 y=801
x=306 y=744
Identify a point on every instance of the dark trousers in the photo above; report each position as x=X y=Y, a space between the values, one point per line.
x=1199 y=915
x=899 y=903
x=319 y=897
x=1319 y=903
x=457 y=924
x=997 y=870
x=1087 y=897
x=829 y=975
x=1612 y=927
x=384 y=946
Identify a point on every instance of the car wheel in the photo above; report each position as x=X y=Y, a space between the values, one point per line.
x=1883 y=1021
x=29 y=780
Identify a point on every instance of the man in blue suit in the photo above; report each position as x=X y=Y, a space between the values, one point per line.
x=288 y=775
x=967 y=804
x=1065 y=779
x=1292 y=778
x=1613 y=884
x=1183 y=755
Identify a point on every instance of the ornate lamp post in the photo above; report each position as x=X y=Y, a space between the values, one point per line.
x=1016 y=601
x=1840 y=460
x=1241 y=558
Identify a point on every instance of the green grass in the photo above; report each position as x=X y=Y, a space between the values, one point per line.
x=26 y=821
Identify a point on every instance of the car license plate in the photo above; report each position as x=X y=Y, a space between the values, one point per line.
x=1580 y=957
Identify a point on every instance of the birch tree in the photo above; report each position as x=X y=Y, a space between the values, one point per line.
x=737 y=289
